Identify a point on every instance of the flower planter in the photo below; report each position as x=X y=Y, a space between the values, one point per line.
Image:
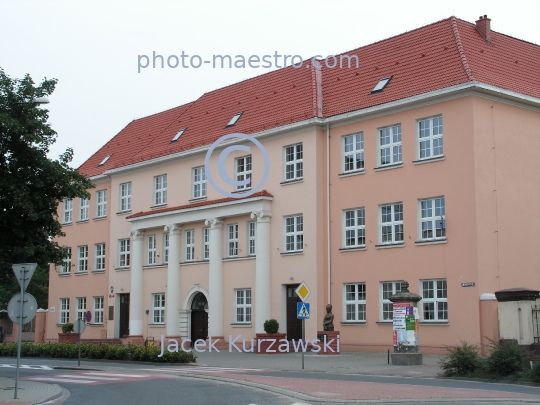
x=68 y=337
x=268 y=341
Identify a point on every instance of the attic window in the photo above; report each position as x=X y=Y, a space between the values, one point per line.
x=105 y=160
x=234 y=119
x=381 y=85
x=178 y=135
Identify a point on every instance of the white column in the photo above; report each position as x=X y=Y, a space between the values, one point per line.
x=215 y=279
x=262 y=270
x=172 y=297
x=136 y=294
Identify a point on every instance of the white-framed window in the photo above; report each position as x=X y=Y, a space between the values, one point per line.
x=387 y=289
x=81 y=308
x=430 y=138
x=242 y=299
x=158 y=308
x=98 y=310
x=160 y=190
x=82 y=260
x=294 y=233
x=84 y=205
x=99 y=257
x=151 y=249
x=101 y=203
x=243 y=171
x=390 y=145
x=354 y=227
x=66 y=265
x=206 y=243
x=432 y=219
x=355 y=302
x=199 y=182
x=190 y=245
x=353 y=152
x=64 y=310
x=68 y=211
x=391 y=223
x=232 y=240
x=434 y=300
x=165 y=248
x=294 y=163
x=252 y=235
x=125 y=197
x=124 y=253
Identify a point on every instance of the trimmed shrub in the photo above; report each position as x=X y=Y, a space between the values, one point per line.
x=67 y=327
x=271 y=326
x=462 y=360
x=505 y=358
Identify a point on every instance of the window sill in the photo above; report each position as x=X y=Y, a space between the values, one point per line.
x=430 y=242
x=233 y=259
x=80 y=273
x=121 y=268
x=300 y=252
x=83 y=221
x=194 y=262
x=64 y=274
x=155 y=207
x=124 y=212
x=384 y=322
x=60 y=324
x=156 y=325
x=390 y=245
x=359 y=323
x=389 y=167
x=193 y=200
x=241 y=190
x=352 y=173
x=434 y=323
x=428 y=160
x=67 y=224
x=287 y=182
x=241 y=325
x=352 y=249
x=153 y=266
x=94 y=324
x=99 y=218
x=98 y=271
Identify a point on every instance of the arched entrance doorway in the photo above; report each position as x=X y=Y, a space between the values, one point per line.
x=199 y=318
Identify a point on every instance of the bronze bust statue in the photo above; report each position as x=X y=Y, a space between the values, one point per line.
x=328 y=323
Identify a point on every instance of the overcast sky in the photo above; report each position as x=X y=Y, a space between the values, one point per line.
x=92 y=47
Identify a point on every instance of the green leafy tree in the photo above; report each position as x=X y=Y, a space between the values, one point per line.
x=31 y=186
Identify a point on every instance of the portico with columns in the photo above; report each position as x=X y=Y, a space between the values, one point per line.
x=185 y=279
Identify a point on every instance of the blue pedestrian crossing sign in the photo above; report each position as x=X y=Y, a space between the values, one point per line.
x=302 y=310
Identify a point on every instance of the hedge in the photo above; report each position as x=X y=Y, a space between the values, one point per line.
x=96 y=351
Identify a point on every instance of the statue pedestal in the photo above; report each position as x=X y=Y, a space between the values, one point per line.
x=332 y=340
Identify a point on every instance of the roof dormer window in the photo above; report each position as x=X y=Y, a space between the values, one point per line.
x=178 y=135
x=105 y=160
x=381 y=85
x=234 y=119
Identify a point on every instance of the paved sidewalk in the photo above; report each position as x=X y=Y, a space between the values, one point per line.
x=28 y=392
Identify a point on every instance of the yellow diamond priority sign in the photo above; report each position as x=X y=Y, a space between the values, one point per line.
x=303 y=291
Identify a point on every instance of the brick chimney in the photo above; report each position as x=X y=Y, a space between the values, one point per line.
x=483 y=26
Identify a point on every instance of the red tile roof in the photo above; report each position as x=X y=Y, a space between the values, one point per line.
x=263 y=193
x=437 y=56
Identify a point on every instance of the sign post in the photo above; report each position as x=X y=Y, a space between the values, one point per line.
x=24 y=273
x=302 y=312
x=79 y=328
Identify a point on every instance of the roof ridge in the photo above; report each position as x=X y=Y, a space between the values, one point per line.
x=461 y=51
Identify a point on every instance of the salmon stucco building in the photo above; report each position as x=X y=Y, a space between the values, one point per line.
x=419 y=164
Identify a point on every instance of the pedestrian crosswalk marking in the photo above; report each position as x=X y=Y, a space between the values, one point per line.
x=27 y=366
x=65 y=380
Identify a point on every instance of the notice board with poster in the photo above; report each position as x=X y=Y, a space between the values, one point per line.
x=405 y=324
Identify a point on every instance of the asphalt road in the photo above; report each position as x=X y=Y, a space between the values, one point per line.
x=107 y=383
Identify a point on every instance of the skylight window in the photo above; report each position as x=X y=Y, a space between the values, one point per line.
x=178 y=135
x=382 y=84
x=105 y=160
x=234 y=119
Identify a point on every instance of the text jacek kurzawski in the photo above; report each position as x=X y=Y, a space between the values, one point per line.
x=239 y=344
